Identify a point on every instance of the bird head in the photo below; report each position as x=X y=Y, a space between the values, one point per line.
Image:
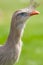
x=23 y=14
x=20 y=16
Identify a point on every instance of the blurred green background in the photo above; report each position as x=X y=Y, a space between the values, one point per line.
x=32 y=50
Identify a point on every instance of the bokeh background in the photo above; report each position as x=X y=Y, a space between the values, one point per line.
x=32 y=50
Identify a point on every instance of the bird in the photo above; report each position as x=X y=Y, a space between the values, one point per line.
x=11 y=50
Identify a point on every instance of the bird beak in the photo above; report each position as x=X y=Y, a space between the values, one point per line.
x=34 y=13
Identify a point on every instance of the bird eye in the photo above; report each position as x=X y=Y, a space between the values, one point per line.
x=22 y=14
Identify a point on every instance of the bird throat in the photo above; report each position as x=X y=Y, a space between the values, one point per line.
x=16 y=33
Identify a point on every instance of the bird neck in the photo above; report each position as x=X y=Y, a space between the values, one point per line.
x=15 y=32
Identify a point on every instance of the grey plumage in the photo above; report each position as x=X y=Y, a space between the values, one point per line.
x=10 y=52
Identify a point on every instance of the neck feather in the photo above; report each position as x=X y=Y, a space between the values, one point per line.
x=15 y=32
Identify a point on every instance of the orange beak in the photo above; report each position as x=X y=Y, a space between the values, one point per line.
x=34 y=12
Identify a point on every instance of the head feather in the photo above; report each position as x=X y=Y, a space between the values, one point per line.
x=33 y=3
